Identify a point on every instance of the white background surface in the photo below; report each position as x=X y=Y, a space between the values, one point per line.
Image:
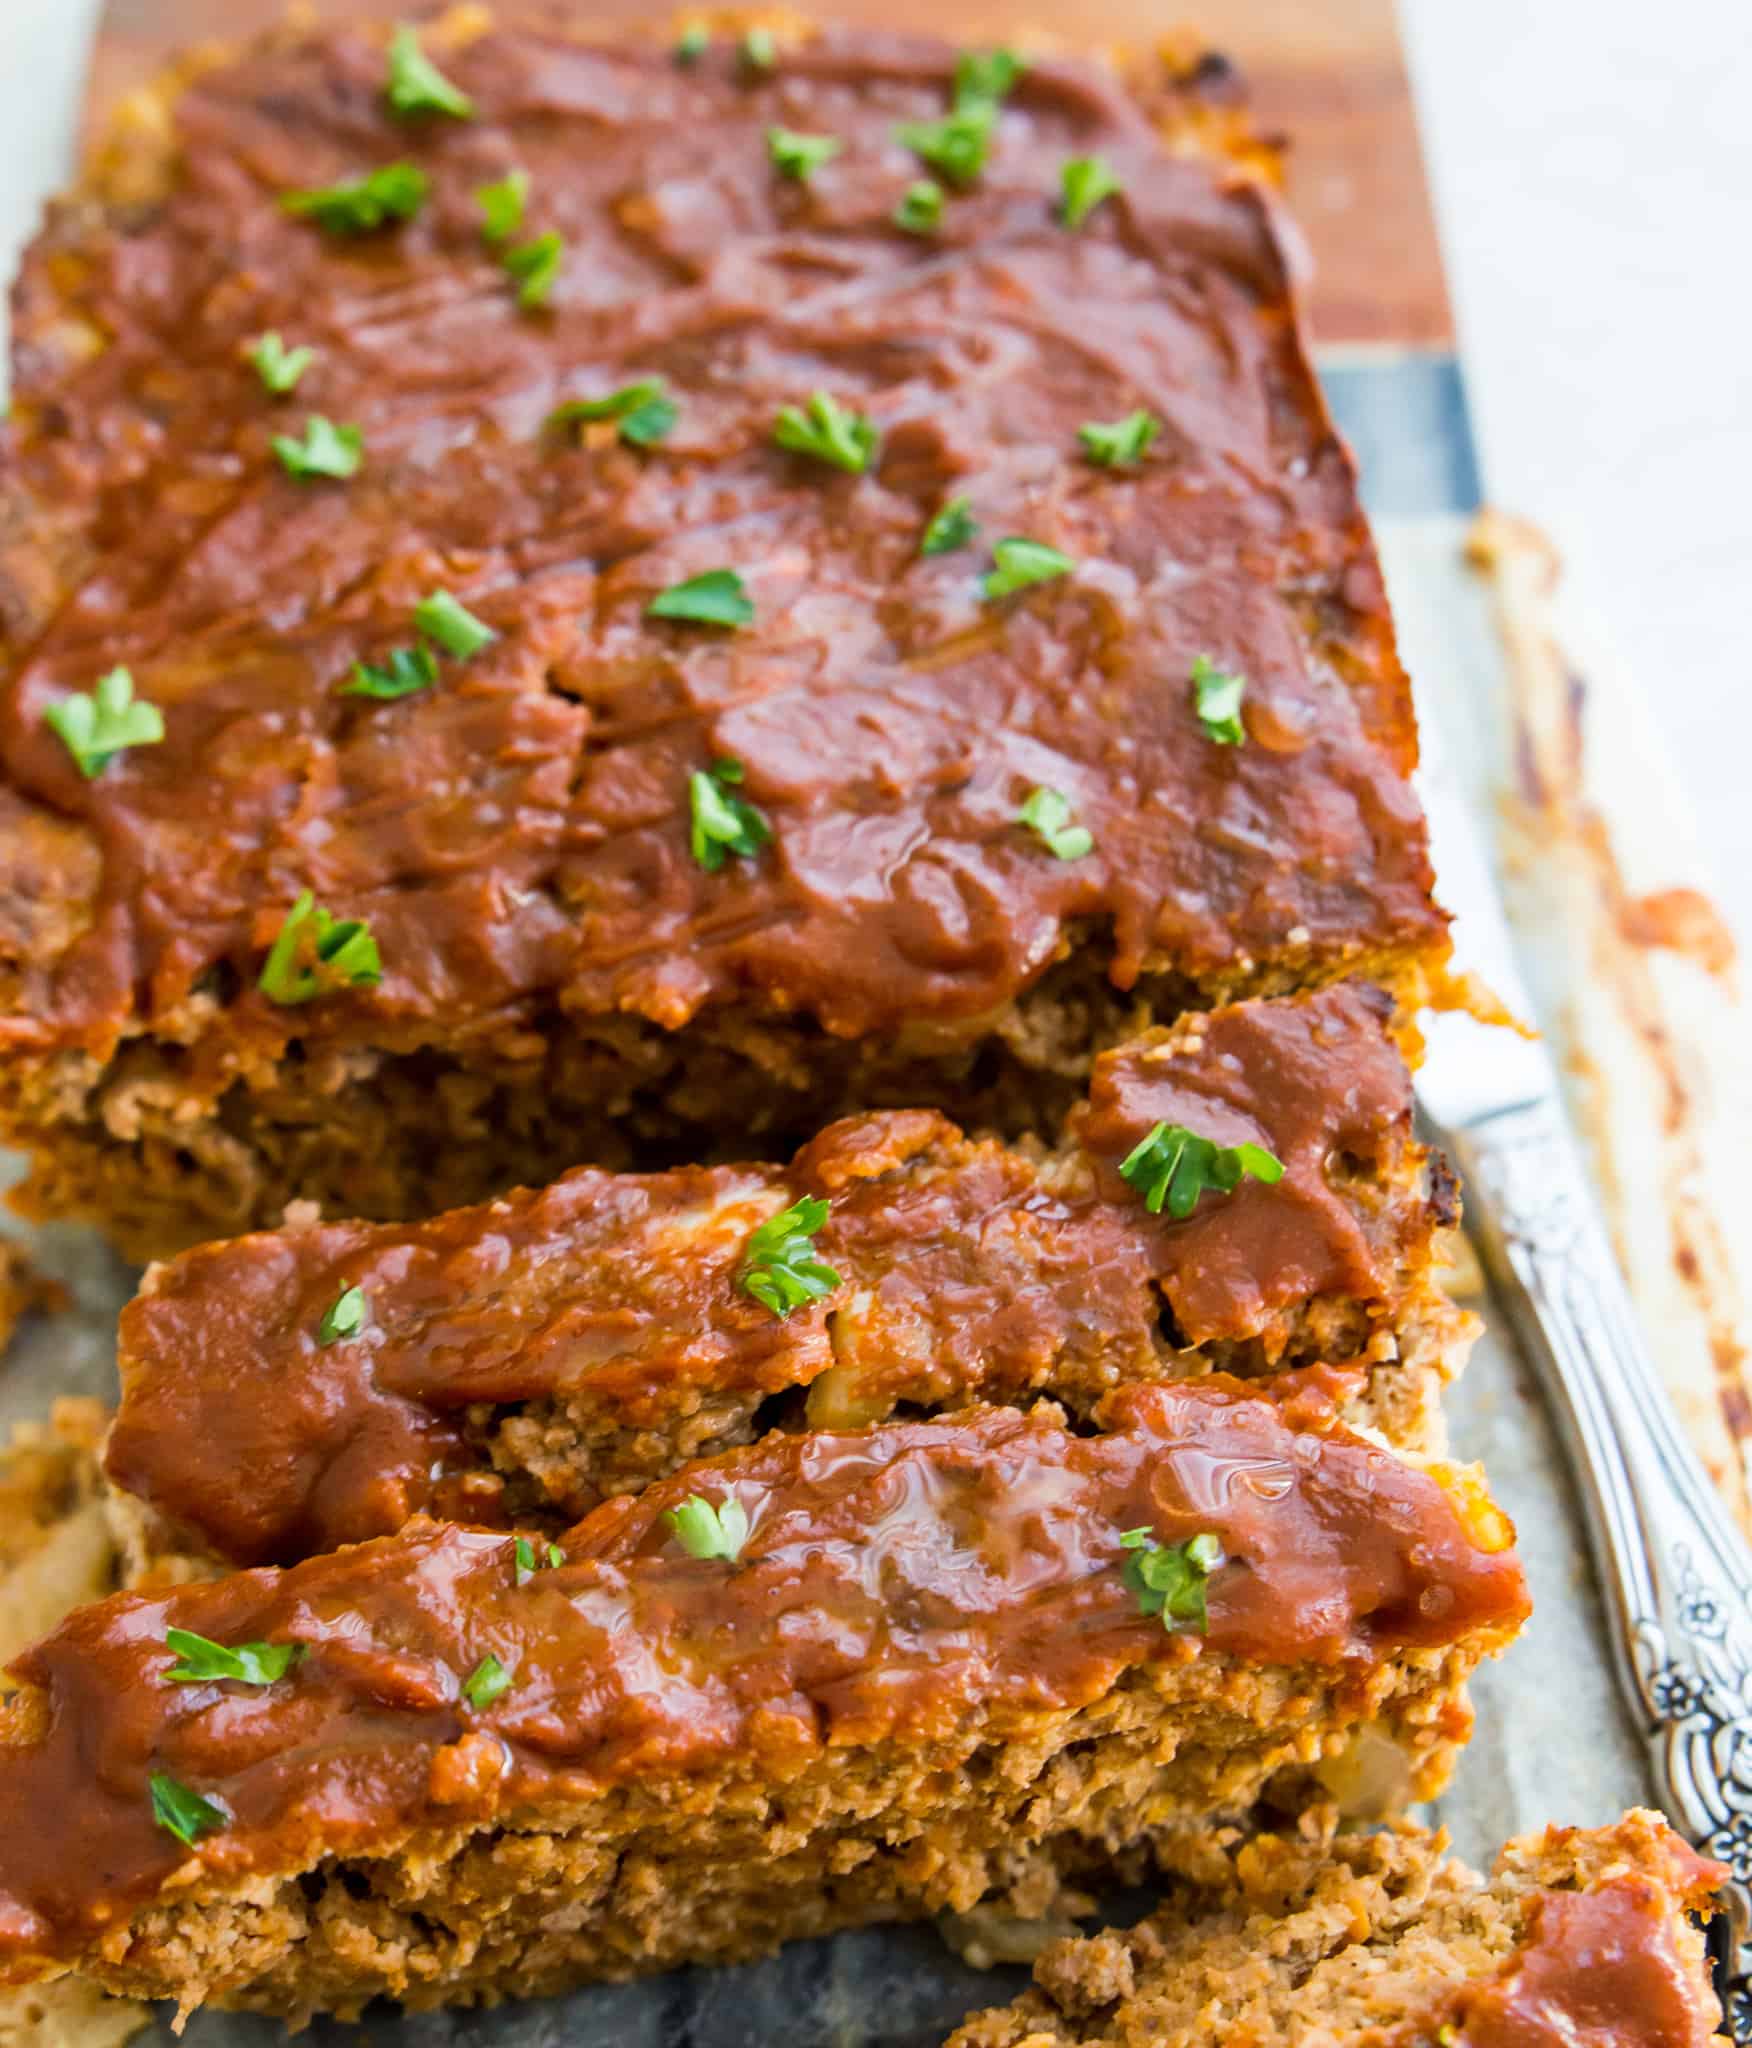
x=1592 y=167
x=1592 y=163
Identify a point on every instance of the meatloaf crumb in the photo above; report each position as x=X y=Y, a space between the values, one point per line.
x=925 y=1674
x=563 y=975
x=1381 y=1941
x=519 y=1361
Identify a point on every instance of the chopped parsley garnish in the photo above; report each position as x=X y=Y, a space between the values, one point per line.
x=957 y=145
x=1169 y=1579
x=502 y=205
x=344 y=1316
x=314 y=953
x=528 y=1560
x=796 y=156
x=920 y=210
x=705 y=1531
x=1118 y=442
x=1048 y=813
x=408 y=669
x=278 y=366
x=1087 y=180
x=828 y=432
x=325 y=450
x=780 y=1269
x=692 y=44
x=360 y=205
x=487 y=1682
x=723 y=823
x=181 y=1812
x=1016 y=563
x=199 y=1658
x=985 y=77
x=1173 y=1166
x=97 y=724
x=713 y=598
x=416 y=85
x=452 y=625
x=1216 y=696
x=951 y=526
x=759 y=51
x=536 y=266
x=641 y=412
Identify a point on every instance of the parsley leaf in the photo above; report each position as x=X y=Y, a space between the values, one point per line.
x=780 y=1269
x=527 y=1561
x=416 y=85
x=796 y=156
x=642 y=413
x=95 y=725
x=705 y=1531
x=1118 y=442
x=1017 y=563
x=1169 y=1578
x=181 y=1812
x=1087 y=180
x=1173 y=1165
x=452 y=625
x=759 y=51
x=536 y=266
x=713 y=598
x=1216 y=696
x=692 y=44
x=723 y=823
x=314 y=953
x=985 y=77
x=920 y=210
x=487 y=1682
x=199 y=1658
x=502 y=204
x=951 y=526
x=828 y=432
x=277 y=366
x=407 y=670
x=344 y=1316
x=1049 y=813
x=325 y=450
x=958 y=145
x=359 y=205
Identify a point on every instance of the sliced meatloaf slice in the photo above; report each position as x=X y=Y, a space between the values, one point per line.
x=1580 y=1935
x=521 y=1360
x=821 y=1680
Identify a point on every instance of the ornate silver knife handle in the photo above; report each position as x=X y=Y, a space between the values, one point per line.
x=1676 y=1572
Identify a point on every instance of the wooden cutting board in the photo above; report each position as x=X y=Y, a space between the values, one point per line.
x=1328 y=73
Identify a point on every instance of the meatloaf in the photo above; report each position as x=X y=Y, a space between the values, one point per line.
x=820 y=1680
x=519 y=1360
x=1379 y=1941
x=642 y=597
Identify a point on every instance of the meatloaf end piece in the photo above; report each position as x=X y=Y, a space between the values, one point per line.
x=886 y=823
x=516 y=1362
x=821 y=1680
x=1382 y=1941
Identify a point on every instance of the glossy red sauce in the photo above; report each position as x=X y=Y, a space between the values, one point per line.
x=517 y=835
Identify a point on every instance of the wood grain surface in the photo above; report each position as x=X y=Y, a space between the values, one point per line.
x=1327 y=73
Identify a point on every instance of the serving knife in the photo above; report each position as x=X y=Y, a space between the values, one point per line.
x=1675 y=1571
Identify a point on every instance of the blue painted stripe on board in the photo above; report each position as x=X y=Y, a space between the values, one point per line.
x=1406 y=418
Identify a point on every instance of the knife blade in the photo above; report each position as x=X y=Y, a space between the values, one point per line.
x=1674 y=1568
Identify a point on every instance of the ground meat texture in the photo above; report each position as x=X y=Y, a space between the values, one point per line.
x=924 y=1677
x=561 y=978
x=519 y=1361
x=1381 y=1941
